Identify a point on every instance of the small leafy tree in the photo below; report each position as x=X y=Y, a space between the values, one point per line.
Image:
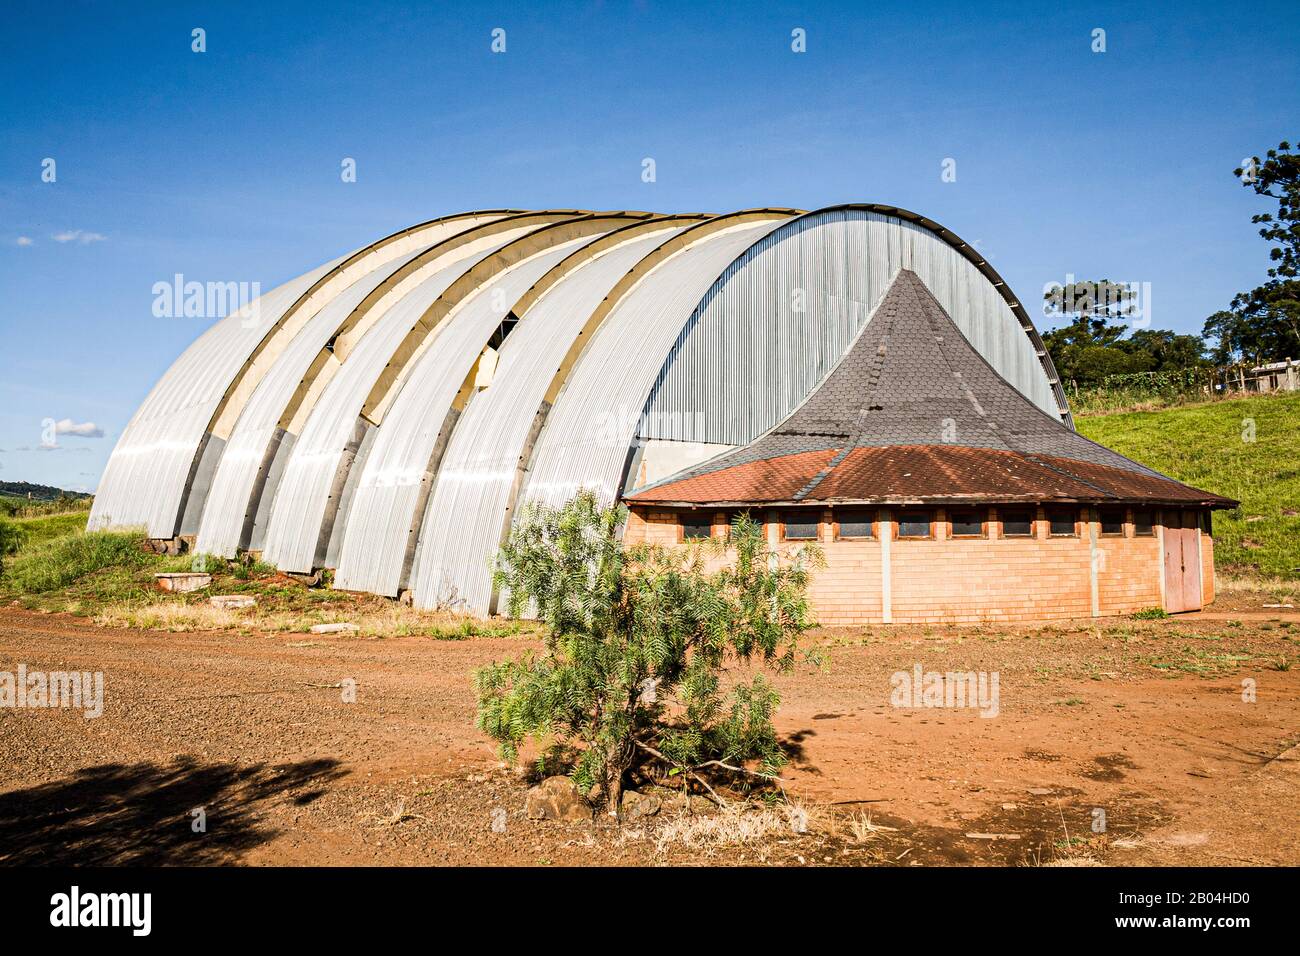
x=636 y=646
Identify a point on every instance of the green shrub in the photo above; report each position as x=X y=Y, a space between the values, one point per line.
x=11 y=539
x=56 y=563
x=1151 y=614
x=638 y=644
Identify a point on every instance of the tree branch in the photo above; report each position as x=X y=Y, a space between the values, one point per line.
x=689 y=772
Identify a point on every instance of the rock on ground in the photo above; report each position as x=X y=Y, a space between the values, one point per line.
x=556 y=798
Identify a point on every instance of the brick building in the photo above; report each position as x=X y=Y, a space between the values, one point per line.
x=938 y=492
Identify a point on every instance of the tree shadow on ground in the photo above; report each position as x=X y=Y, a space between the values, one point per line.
x=144 y=814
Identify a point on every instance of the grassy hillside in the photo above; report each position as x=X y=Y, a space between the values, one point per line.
x=44 y=527
x=21 y=489
x=1209 y=446
x=11 y=507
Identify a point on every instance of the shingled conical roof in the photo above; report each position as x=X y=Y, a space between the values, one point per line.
x=913 y=412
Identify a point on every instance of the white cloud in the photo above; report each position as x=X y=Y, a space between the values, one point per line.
x=79 y=236
x=66 y=426
x=24 y=240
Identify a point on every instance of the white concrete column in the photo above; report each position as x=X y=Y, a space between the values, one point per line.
x=885 y=531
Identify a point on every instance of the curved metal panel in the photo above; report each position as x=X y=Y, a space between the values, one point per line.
x=397 y=246
x=303 y=364
x=145 y=480
x=308 y=483
x=318 y=478
x=976 y=258
x=590 y=431
x=179 y=428
x=403 y=460
x=461 y=527
x=225 y=516
x=783 y=314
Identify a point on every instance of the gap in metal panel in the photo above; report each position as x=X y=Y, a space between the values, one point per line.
x=505 y=328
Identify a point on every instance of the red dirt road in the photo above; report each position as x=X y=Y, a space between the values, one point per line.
x=1142 y=721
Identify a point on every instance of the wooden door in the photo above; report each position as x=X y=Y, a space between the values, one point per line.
x=1191 y=541
x=1173 y=548
x=1182 y=552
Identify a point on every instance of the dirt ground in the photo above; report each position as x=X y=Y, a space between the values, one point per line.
x=1142 y=721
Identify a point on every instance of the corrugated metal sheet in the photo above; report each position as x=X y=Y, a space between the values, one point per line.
x=588 y=434
x=145 y=480
x=779 y=318
x=303 y=494
x=462 y=526
x=225 y=513
x=388 y=249
x=148 y=477
x=382 y=512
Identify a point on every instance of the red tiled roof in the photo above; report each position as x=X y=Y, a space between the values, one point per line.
x=782 y=477
x=920 y=473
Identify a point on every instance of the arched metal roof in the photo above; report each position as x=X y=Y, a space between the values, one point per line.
x=359 y=423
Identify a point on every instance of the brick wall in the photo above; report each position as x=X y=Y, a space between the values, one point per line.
x=968 y=580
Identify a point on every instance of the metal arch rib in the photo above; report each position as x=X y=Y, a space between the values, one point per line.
x=686 y=238
x=250 y=373
x=242 y=486
x=255 y=366
x=361 y=319
x=420 y=414
x=575 y=260
x=314 y=482
x=459 y=528
x=168 y=442
x=427 y=326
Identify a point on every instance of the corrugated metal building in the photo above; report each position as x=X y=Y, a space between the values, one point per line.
x=386 y=414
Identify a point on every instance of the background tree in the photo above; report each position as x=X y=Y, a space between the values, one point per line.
x=1263 y=325
x=637 y=640
x=1099 y=342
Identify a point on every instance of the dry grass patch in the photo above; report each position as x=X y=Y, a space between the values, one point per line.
x=389 y=620
x=735 y=826
x=1267 y=590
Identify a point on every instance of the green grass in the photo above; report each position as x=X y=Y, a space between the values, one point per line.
x=109 y=576
x=1151 y=614
x=44 y=528
x=12 y=507
x=1206 y=446
x=58 y=562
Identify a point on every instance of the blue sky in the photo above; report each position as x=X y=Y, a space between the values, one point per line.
x=225 y=165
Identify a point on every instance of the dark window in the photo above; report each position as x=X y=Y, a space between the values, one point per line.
x=914 y=524
x=1017 y=524
x=800 y=525
x=1062 y=521
x=696 y=526
x=967 y=522
x=1112 y=521
x=1207 y=522
x=1142 y=523
x=856 y=524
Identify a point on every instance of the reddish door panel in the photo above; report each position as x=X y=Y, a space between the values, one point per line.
x=1173 y=549
x=1191 y=562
